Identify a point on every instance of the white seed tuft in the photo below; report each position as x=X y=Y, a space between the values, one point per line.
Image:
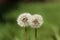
x=36 y=21
x=23 y=18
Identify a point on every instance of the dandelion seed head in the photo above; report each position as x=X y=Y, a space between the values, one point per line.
x=36 y=21
x=23 y=18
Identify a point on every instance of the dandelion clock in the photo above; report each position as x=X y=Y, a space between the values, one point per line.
x=22 y=21
x=36 y=22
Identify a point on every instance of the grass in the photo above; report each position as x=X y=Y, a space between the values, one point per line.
x=50 y=30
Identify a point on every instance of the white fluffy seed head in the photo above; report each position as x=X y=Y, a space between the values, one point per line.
x=36 y=21
x=23 y=18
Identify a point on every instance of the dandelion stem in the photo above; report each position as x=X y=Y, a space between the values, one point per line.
x=35 y=33
x=25 y=33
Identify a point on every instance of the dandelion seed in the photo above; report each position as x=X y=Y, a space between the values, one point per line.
x=35 y=22
x=22 y=21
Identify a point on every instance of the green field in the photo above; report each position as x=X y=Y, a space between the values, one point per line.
x=50 y=30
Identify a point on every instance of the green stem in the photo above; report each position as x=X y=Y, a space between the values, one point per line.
x=25 y=33
x=35 y=33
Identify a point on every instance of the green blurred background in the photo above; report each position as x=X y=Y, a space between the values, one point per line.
x=9 y=11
